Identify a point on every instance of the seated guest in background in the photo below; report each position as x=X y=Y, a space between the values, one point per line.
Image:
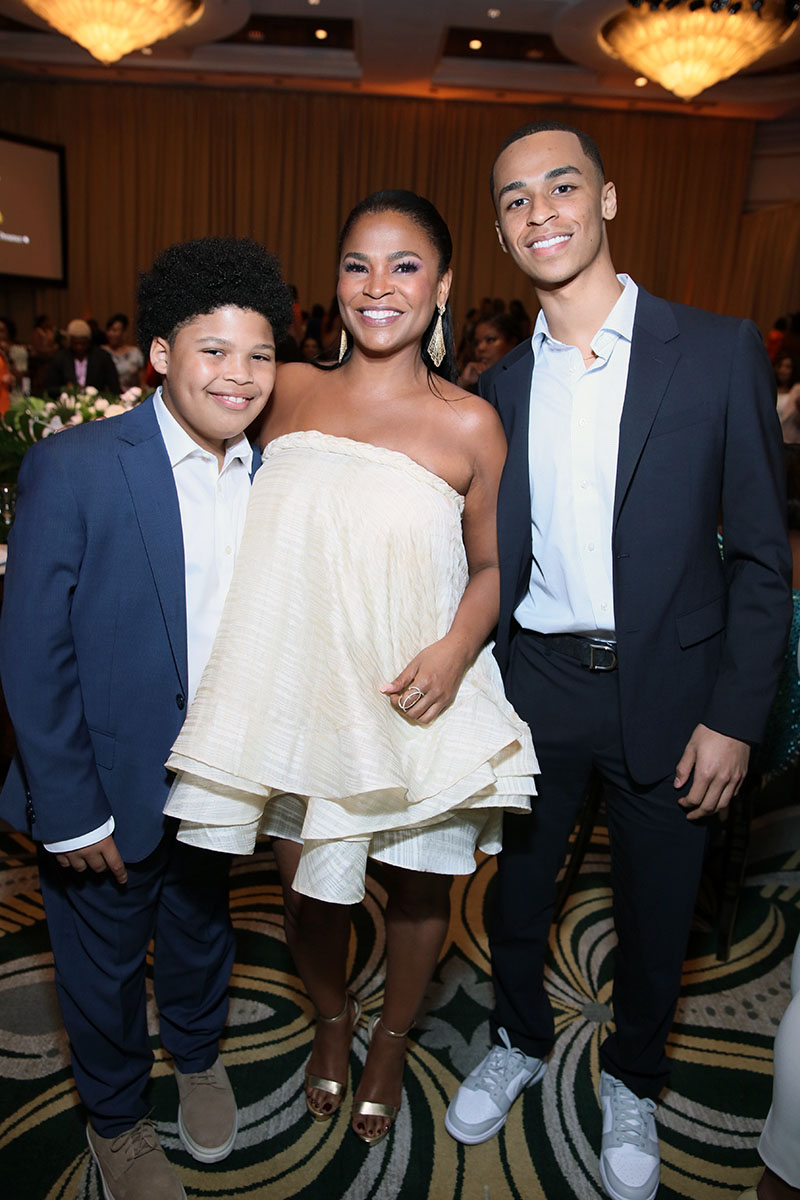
x=314 y=324
x=6 y=381
x=519 y=312
x=628 y=645
x=16 y=355
x=465 y=351
x=776 y=338
x=43 y=338
x=127 y=357
x=331 y=326
x=80 y=364
x=492 y=338
x=788 y=397
x=119 y=562
x=298 y=323
x=43 y=347
x=96 y=335
x=310 y=349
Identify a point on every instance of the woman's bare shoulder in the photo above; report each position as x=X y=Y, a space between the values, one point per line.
x=296 y=385
x=295 y=377
x=477 y=416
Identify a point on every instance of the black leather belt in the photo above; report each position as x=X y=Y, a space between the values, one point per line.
x=596 y=654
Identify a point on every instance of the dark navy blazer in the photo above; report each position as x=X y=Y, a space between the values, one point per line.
x=699 y=640
x=93 y=656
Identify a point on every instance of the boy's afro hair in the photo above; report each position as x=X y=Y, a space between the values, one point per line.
x=198 y=277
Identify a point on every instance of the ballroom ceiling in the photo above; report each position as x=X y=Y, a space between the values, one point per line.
x=540 y=51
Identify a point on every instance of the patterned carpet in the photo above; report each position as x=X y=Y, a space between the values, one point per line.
x=721 y=1049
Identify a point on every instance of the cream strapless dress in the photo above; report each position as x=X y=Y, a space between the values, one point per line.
x=351 y=562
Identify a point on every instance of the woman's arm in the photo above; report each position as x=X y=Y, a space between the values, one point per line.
x=437 y=670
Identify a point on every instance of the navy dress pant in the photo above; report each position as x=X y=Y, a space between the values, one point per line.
x=656 y=863
x=100 y=932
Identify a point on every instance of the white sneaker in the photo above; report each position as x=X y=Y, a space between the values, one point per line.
x=480 y=1106
x=630 y=1164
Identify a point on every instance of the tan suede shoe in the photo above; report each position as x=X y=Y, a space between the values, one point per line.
x=207 y=1117
x=133 y=1166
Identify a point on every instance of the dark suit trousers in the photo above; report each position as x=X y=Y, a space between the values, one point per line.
x=656 y=861
x=100 y=932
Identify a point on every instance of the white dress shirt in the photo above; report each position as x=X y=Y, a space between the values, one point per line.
x=213 y=503
x=575 y=413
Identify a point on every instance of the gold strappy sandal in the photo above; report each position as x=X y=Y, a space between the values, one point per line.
x=370 y=1108
x=332 y=1086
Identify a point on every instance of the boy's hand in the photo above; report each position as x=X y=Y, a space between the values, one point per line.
x=100 y=856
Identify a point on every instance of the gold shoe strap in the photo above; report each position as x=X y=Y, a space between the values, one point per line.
x=371 y=1108
x=391 y=1032
x=339 y=1016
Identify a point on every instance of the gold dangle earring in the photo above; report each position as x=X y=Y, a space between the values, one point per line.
x=436 y=346
x=343 y=344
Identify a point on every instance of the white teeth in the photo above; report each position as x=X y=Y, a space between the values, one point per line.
x=553 y=241
x=377 y=314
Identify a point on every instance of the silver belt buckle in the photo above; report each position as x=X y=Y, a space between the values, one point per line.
x=604 y=648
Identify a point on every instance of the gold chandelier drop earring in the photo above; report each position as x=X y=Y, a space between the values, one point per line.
x=436 y=346
x=343 y=344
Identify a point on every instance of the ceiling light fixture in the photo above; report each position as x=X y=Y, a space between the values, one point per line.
x=320 y=34
x=689 y=47
x=109 y=29
x=475 y=44
x=493 y=13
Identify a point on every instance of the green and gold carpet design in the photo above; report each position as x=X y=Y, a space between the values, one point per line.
x=709 y=1120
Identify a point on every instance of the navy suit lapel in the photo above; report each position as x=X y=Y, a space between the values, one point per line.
x=513 y=390
x=654 y=354
x=145 y=463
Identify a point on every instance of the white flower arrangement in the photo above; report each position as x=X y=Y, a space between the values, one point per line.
x=32 y=418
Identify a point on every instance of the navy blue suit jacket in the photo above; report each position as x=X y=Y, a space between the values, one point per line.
x=699 y=639
x=93 y=656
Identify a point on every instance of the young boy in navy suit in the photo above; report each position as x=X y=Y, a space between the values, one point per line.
x=119 y=562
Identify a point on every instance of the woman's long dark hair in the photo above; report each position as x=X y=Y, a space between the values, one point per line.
x=427 y=217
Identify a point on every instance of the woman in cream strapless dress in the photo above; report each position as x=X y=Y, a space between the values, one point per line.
x=369 y=550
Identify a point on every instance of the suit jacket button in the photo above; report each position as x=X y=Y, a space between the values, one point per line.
x=180 y=700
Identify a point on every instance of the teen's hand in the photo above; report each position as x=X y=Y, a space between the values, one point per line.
x=719 y=764
x=100 y=856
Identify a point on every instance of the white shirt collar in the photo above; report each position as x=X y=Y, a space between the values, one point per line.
x=181 y=445
x=619 y=321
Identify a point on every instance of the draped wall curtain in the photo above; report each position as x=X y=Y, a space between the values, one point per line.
x=765 y=275
x=148 y=165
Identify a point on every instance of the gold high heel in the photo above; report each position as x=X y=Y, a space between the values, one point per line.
x=331 y=1086
x=370 y=1108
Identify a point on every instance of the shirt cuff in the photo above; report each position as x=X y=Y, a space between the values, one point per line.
x=79 y=843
